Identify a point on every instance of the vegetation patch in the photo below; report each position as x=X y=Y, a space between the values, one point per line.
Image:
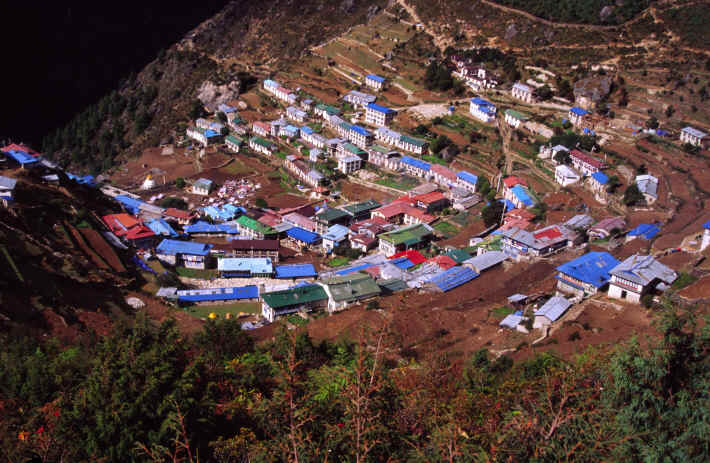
x=221 y=310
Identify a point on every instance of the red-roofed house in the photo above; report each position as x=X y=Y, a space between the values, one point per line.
x=413 y=215
x=586 y=164
x=269 y=218
x=130 y=229
x=413 y=255
x=262 y=129
x=510 y=182
x=434 y=201
x=444 y=262
x=402 y=213
x=176 y=215
x=519 y=218
x=16 y=147
x=443 y=175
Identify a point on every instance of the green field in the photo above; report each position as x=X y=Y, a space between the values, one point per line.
x=196 y=273
x=434 y=160
x=401 y=183
x=502 y=312
x=203 y=311
x=338 y=261
x=446 y=229
x=235 y=167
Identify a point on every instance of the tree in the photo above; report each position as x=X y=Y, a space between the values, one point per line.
x=440 y=143
x=612 y=184
x=197 y=110
x=222 y=117
x=483 y=186
x=651 y=123
x=633 y=195
x=176 y=203
x=261 y=203
x=543 y=93
x=493 y=213
x=224 y=131
x=563 y=157
x=180 y=182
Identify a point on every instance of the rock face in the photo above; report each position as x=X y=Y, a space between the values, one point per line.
x=510 y=32
x=590 y=91
x=212 y=95
x=606 y=12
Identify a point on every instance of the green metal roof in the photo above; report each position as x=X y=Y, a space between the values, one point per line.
x=458 y=255
x=352 y=287
x=235 y=140
x=413 y=141
x=357 y=208
x=330 y=214
x=392 y=285
x=262 y=142
x=353 y=149
x=329 y=109
x=294 y=296
x=380 y=149
x=518 y=115
x=407 y=235
x=255 y=225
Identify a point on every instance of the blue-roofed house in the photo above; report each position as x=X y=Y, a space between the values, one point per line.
x=359 y=136
x=452 y=278
x=226 y=109
x=289 y=131
x=414 y=166
x=335 y=235
x=597 y=183
x=379 y=116
x=521 y=197
x=706 y=236
x=202 y=186
x=202 y=228
x=161 y=228
x=303 y=238
x=374 y=81
x=467 y=181
x=295 y=271
x=648 y=186
x=551 y=311
x=130 y=204
x=24 y=159
x=576 y=115
x=7 y=188
x=646 y=231
x=245 y=267
x=482 y=110
x=218 y=295
x=187 y=253
x=694 y=137
x=585 y=275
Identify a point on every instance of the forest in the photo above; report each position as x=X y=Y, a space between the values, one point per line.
x=576 y=11
x=147 y=393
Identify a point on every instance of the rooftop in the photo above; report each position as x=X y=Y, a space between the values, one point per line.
x=381 y=109
x=253 y=265
x=302 y=235
x=376 y=78
x=218 y=294
x=416 y=163
x=295 y=271
x=694 y=132
x=600 y=177
x=357 y=208
x=248 y=222
x=592 y=268
x=408 y=235
x=294 y=296
x=352 y=287
x=644 y=270
x=467 y=177
x=553 y=308
x=517 y=115
x=330 y=214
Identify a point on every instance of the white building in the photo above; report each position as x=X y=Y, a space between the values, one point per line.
x=648 y=186
x=375 y=82
x=356 y=98
x=296 y=114
x=387 y=136
x=522 y=92
x=262 y=146
x=549 y=152
x=637 y=276
x=515 y=119
x=379 y=115
x=694 y=136
x=349 y=164
x=202 y=187
x=565 y=175
x=706 y=236
x=482 y=110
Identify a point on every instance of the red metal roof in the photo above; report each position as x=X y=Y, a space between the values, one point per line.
x=445 y=262
x=127 y=226
x=429 y=198
x=177 y=213
x=16 y=147
x=550 y=234
x=510 y=182
x=412 y=254
x=589 y=159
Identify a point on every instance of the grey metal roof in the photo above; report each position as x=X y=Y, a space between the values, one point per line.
x=485 y=260
x=648 y=185
x=7 y=183
x=694 y=132
x=511 y=321
x=644 y=270
x=167 y=292
x=517 y=297
x=582 y=221
x=554 y=308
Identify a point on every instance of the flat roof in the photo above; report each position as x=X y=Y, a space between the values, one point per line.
x=254 y=265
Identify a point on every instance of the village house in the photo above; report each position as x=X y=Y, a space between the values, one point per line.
x=550 y=312
x=276 y=126
x=585 y=275
x=515 y=190
x=329 y=216
x=206 y=229
x=7 y=189
x=387 y=136
x=579 y=222
x=363 y=234
x=549 y=152
x=482 y=110
x=705 y=242
x=302 y=298
x=379 y=115
x=576 y=116
x=518 y=218
x=202 y=123
x=413 y=145
x=694 y=137
x=202 y=187
x=586 y=164
x=215 y=296
x=347 y=289
x=250 y=248
x=415 y=167
x=271 y=85
x=431 y=202
x=238 y=125
x=334 y=236
x=349 y=164
x=131 y=230
x=289 y=132
x=443 y=175
x=254 y=229
x=309 y=136
x=597 y=184
x=286 y=95
x=356 y=134
x=302 y=239
x=409 y=237
x=565 y=175
x=295 y=272
x=324 y=110
x=314 y=178
x=648 y=186
x=637 y=276
x=375 y=82
x=307 y=104
x=296 y=114
x=296 y=166
x=383 y=157
x=22 y=158
x=245 y=267
x=485 y=261
x=261 y=145
x=539 y=243
x=233 y=143
x=515 y=118
x=348 y=149
x=606 y=228
x=161 y=228
x=204 y=136
x=467 y=181
x=301 y=221
x=476 y=77
x=186 y=253
x=522 y=92
x=359 y=99
x=262 y=129
x=361 y=210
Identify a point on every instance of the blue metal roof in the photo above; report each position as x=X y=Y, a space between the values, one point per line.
x=88 y=180
x=509 y=206
x=296 y=271
x=22 y=157
x=376 y=78
x=402 y=263
x=252 y=265
x=707 y=225
x=218 y=294
x=467 y=177
x=161 y=228
x=272 y=83
x=578 y=111
x=360 y=130
x=131 y=204
x=380 y=109
x=481 y=102
x=592 y=268
x=600 y=177
x=206 y=227
x=209 y=133
x=290 y=128
x=453 y=277
x=336 y=233
x=522 y=195
x=416 y=163
x=307 y=130
x=302 y=235
x=172 y=247
x=645 y=230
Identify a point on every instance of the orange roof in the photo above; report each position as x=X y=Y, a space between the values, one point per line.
x=120 y=220
x=127 y=226
x=510 y=182
x=445 y=262
x=550 y=233
x=429 y=198
x=177 y=213
x=20 y=147
x=419 y=214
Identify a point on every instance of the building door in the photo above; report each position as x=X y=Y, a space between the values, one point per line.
x=623 y=294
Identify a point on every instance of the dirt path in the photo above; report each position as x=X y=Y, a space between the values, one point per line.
x=440 y=41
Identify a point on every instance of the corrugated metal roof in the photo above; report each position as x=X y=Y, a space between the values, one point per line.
x=554 y=308
x=376 y=78
x=486 y=260
x=643 y=270
x=254 y=265
x=600 y=177
x=302 y=294
x=694 y=132
x=592 y=268
x=380 y=109
x=467 y=177
x=218 y=294
x=416 y=163
x=172 y=247
x=295 y=271
x=302 y=235
x=7 y=183
x=453 y=278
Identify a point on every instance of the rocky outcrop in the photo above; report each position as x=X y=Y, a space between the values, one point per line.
x=590 y=91
x=213 y=95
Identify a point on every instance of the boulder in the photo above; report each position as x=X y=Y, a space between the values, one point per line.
x=213 y=95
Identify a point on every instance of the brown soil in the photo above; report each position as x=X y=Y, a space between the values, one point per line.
x=283 y=200
x=95 y=259
x=103 y=249
x=698 y=290
x=357 y=192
